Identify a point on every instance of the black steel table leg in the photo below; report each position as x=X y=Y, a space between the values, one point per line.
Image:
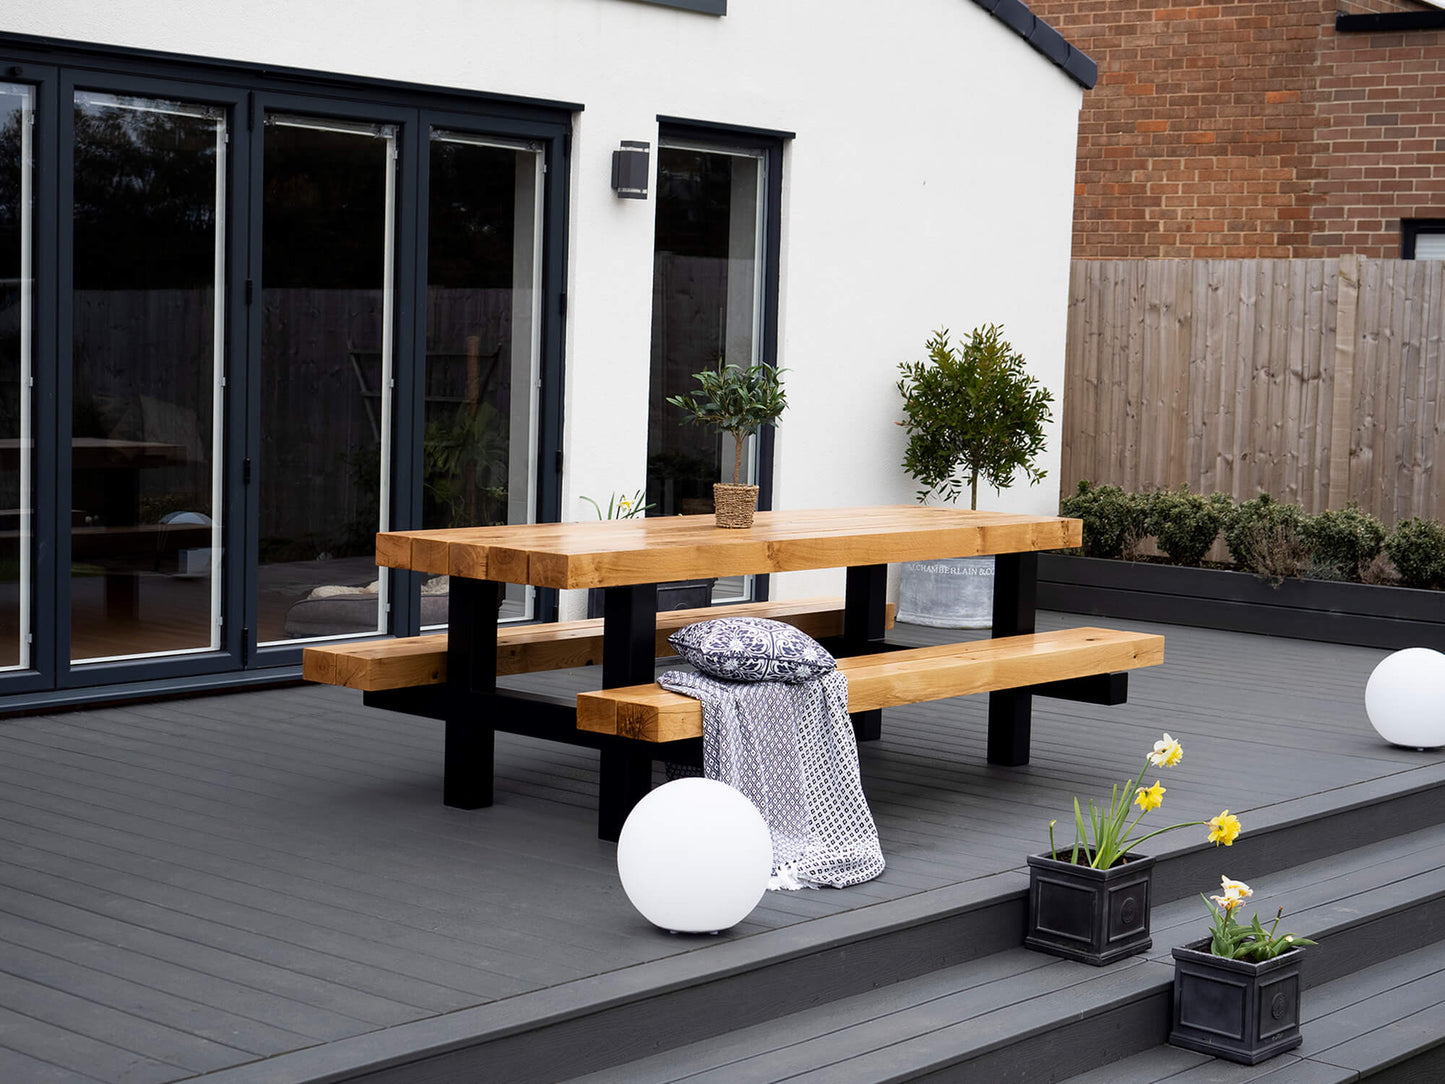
x=629 y=657
x=471 y=684
x=1010 y=711
x=865 y=615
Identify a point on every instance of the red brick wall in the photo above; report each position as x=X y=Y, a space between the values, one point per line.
x=1252 y=129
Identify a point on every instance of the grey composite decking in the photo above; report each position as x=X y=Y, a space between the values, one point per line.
x=190 y=885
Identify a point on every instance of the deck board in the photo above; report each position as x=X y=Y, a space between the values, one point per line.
x=248 y=874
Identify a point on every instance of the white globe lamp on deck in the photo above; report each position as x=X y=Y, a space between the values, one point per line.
x=1405 y=698
x=694 y=856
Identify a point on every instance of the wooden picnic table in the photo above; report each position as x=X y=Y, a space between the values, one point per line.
x=627 y=558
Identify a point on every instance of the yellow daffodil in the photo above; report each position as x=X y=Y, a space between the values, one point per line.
x=1236 y=888
x=1149 y=798
x=1104 y=835
x=1223 y=829
x=1167 y=752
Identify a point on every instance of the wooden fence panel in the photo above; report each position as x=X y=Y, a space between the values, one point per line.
x=1317 y=381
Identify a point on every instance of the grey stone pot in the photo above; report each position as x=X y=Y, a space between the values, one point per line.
x=1235 y=1009
x=956 y=593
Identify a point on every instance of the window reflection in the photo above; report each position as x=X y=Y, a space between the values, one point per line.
x=326 y=356
x=705 y=309
x=483 y=259
x=147 y=258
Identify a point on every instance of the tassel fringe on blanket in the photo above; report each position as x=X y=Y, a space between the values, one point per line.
x=790 y=749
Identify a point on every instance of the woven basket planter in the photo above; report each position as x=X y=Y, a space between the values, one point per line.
x=733 y=505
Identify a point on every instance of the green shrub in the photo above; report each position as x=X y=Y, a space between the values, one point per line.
x=1266 y=537
x=1185 y=524
x=1344 y=540
x=1113 y=519
x=1417 y=549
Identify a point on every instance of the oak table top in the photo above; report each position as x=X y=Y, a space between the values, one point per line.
x=614 y=553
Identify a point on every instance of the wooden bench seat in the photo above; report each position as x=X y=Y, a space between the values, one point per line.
x=375 y=665
x=652 y=713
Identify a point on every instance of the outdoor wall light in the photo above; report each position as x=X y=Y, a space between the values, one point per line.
x=629 y=170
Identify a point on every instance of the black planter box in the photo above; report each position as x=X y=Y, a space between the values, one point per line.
x=1096 y=916
x=677 y=595
x=1235 y=1009
x=1340 y=613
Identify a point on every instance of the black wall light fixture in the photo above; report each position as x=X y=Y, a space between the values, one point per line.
x=629 y=170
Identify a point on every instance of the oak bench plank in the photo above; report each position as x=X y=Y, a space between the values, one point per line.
x=911 y=676
x=375 y=665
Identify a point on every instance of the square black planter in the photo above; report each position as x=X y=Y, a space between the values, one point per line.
x=1235 y=1009
x=1096 y=916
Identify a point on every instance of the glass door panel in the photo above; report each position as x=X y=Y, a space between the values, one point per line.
x=148 y=259
x=706 y=309
x=325 y=376
x=482 y=341
x=17 y=315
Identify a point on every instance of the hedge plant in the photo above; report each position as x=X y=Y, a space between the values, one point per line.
x=1184 y=524
x=1344 y=540
x=1114 y=521
x=1416 y=547
x=1267 y=537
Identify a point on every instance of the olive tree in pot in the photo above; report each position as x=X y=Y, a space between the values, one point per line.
x=972 y=414
x=738 y=402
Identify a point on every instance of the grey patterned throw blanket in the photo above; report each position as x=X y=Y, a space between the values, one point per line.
x=790 y=749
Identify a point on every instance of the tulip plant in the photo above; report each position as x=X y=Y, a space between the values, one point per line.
x=1253 y=942
x=1107 y=834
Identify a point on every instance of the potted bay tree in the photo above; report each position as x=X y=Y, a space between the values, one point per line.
x=972 y=413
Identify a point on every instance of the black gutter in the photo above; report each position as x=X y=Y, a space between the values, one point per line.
x=1389 y=21
x=1044 y=38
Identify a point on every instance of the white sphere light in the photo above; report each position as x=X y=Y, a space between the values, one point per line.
x=1405 y=698
x=694 y=856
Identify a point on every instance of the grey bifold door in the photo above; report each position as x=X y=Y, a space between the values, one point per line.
x=244 y=326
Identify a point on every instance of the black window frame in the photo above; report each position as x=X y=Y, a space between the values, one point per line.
x=55 y=68
x=771 y=145
x=1412 y=228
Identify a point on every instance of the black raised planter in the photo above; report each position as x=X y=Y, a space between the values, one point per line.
x=1235 y=1009
x=1341 y=613
x=676 y=595
x=1096 y=916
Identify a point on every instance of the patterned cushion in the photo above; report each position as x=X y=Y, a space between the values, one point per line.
x=751 y=649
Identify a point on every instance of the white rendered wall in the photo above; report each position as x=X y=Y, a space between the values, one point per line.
x=930 y=184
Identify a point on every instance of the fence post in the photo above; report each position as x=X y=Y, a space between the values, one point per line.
x=1342 y=407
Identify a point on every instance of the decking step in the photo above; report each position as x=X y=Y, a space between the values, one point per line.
x=740 y=1001
x=1019 y=1015
x=1389 y=1016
